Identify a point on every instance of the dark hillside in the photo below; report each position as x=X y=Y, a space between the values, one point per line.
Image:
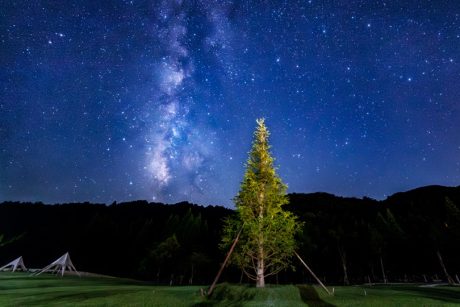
x=343 y=238
x=115 y=240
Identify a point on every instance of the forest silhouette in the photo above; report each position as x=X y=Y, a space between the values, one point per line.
x=403 y=238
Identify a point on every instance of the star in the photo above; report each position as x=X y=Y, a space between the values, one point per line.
x=165 y=97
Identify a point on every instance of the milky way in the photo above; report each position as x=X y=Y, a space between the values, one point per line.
x=173 y=149
x=108 y=101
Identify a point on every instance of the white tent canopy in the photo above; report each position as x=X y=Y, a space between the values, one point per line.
x=60 y=265
x=14 y=265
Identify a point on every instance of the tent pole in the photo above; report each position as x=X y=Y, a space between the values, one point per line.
x=225 y=262
x=313 y=274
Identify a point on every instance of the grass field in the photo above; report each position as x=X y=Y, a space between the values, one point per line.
x=19 y=289
x=295 y=295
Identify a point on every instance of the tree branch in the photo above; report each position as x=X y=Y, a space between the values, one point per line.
x=248 y=274
x=273 y=272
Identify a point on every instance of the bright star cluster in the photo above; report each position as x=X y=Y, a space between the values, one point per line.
x=108 y=101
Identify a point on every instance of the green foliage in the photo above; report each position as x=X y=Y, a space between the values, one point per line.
x=391 y=225
x=452 y=222
x=114 y=240
x=162 y=255
x=382 y=230
x=268 y=232
x=4 y=242
x=166 y=250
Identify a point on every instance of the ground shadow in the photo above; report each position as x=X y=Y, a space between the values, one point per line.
x=310 y=297
x=234 y=296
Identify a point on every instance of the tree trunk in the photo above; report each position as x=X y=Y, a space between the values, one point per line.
x=190 y=281
x=383 y=270
x=372 y=272
x=441 y=262
x=343 y=258
x=260 y=282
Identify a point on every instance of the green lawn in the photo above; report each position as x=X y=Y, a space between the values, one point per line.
x=19 y=289
x=396 y=295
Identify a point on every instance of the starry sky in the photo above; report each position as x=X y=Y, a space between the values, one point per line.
x=106 y=101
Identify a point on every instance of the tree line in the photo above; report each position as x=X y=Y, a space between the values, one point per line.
x=410 y=236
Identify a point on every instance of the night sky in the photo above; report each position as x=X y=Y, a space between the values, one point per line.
x=106 y=101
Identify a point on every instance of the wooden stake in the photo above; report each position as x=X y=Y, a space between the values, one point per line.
x=313 y=274
x=225 y=262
